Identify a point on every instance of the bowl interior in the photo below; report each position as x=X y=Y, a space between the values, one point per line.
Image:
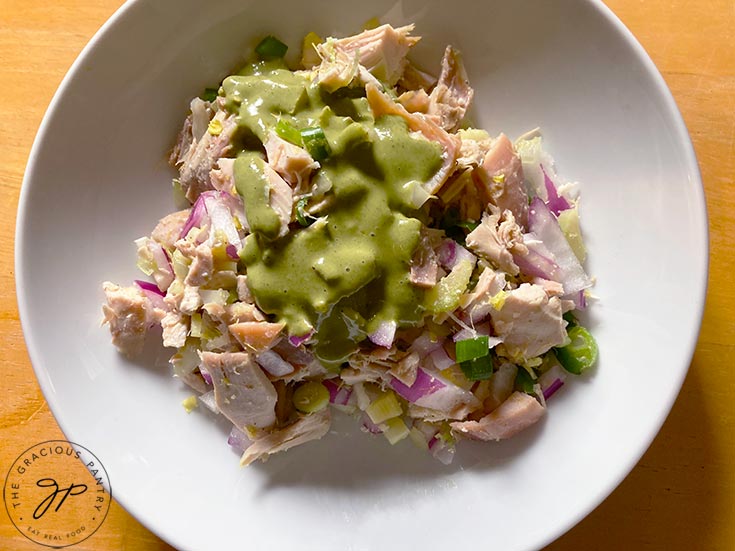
x=98 y=178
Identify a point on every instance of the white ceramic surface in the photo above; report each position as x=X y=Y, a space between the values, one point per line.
x=97 y=179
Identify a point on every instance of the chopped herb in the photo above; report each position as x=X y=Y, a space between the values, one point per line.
x=271 y=48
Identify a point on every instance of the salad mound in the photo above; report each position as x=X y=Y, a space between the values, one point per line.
x=351 y=243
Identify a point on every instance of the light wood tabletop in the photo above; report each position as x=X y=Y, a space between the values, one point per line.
x=680 y=496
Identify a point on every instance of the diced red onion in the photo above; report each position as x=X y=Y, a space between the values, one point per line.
x=221 y=217
x=441 y=451
x=543 y=223
x=205 y=375
x=384 y=334
x=232 y=252
x=150 y=287
x=555 y=202
x=197 y=215
x=273 y=363
x=553 y=387
x=580 y=300
x=552 y=380
x=538 y=261
x=447 y=252
x=450 y=254
x=425 y=345
x=424 y=385
x=441 y=359
x=238 y=440
x=338 y=394
x=469 y=333
x=299 y=340
x=369 y=426
x=208 y=400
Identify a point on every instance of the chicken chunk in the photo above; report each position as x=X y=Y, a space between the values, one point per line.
x=196 y=155
x=518 y=412
x=529 y=322
x=497 y=238
x=129 y=314
x=500 y=179
x=304 y=429
x=382 y=51
x=452 y=95
x=242 y=390
x=168 y=230
x=291 y=162
x=256 y=335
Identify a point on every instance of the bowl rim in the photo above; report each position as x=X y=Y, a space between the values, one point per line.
x=593 y=499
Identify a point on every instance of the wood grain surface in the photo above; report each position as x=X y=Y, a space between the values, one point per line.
x=681 y=495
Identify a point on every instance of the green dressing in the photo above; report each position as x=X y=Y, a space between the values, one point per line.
x=349 y=271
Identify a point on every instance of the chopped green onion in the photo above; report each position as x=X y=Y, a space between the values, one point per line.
x=271 y=48
x=478 y=369
x=210 y=94
x=580 y=354
x=383 y=408
x=311 y=397
x=468 y=225
x=303 y=217
x=470 y=349
x=288 y=132
x=570 y=319
x=315 y=143
x=524 y=381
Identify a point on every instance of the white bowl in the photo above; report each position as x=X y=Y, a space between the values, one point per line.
x=97 y=179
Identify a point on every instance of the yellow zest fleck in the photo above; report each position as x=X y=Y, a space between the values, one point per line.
x=214 y=127
x=497 y=301
x=499 y=178
x=190 y=403
x=371 y=23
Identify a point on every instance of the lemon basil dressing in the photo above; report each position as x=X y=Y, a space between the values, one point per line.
x=347 y=272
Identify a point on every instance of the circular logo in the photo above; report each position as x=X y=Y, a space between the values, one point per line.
x=57 y=493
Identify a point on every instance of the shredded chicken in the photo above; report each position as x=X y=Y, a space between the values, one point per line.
x=515 y=414
x=304 y=429
x=452 y=96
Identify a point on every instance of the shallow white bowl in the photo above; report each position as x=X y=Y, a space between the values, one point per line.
x=97 y=179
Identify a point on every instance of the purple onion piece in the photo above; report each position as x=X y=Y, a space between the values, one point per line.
x=232 y=252
x=299 y=340
x=205 y=375
x=238 y=440
x=369 y=426
x=384 y=334
x=552 y=388
x=150 y=287
x=196 y=216
x=424 y=385
x=554 y=201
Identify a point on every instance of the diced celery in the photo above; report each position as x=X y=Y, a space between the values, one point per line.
x=309 y=57
x=394 y=430
x=418 y=438
x=383 y=408
x=186 y=358
x=524 y=381
x=311 y=397
x=180 y=264
x=569 y=224
x=288 y=132
x=195 y=327
x=446 y=294
x=216 y=296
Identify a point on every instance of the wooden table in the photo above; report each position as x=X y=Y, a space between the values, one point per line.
x=681 y=496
